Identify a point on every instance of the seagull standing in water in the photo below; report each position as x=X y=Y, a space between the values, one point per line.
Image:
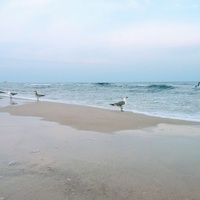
x=11 y=94
x=120 y=103
x=38 y=95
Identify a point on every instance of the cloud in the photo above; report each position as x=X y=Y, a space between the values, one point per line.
x=157 y=35
x=17 y=16
x=67 y=31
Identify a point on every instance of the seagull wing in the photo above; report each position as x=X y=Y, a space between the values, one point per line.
x=40 y=95
x=120 y=103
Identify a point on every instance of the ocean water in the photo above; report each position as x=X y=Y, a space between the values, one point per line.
x=178 y=100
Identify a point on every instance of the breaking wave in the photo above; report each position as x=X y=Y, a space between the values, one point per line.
x=159 y=88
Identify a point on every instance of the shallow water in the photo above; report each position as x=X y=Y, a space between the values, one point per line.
x=150 y=164
x=179 y=100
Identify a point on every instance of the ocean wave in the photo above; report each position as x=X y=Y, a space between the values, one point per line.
x=103 y=84
x=141 y=85
x=155 y=87
x=40 y=84
x=150 y=88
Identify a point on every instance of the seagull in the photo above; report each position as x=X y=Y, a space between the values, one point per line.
x=197 y=84
x=38 y=95
x=120 y=103
x=11 y=94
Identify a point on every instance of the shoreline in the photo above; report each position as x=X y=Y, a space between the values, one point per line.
x=23 y=100
x=90 y=118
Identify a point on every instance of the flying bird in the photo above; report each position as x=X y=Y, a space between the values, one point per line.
x=120 y=103
x=38 y=95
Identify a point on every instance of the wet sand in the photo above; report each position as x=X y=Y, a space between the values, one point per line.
x=69 y=155
x=89 y=118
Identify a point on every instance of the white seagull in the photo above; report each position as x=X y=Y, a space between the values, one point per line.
x=11 y=94
x=120 y=103
x=38 y=95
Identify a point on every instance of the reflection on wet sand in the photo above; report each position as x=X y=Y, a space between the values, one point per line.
x=12 y=102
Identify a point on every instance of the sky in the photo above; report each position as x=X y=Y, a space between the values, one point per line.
x=99 y=40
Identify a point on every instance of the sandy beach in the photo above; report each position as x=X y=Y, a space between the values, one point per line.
x=70 y=152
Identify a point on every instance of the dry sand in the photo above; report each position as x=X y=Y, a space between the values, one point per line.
x=68 y=155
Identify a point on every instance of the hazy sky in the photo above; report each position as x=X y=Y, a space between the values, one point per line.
x=99 y=40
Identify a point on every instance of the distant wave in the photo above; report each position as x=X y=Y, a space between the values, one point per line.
x=40 y=84
x=150 y=88
x=155 y=87
x=141 y=85
x=103 y=84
